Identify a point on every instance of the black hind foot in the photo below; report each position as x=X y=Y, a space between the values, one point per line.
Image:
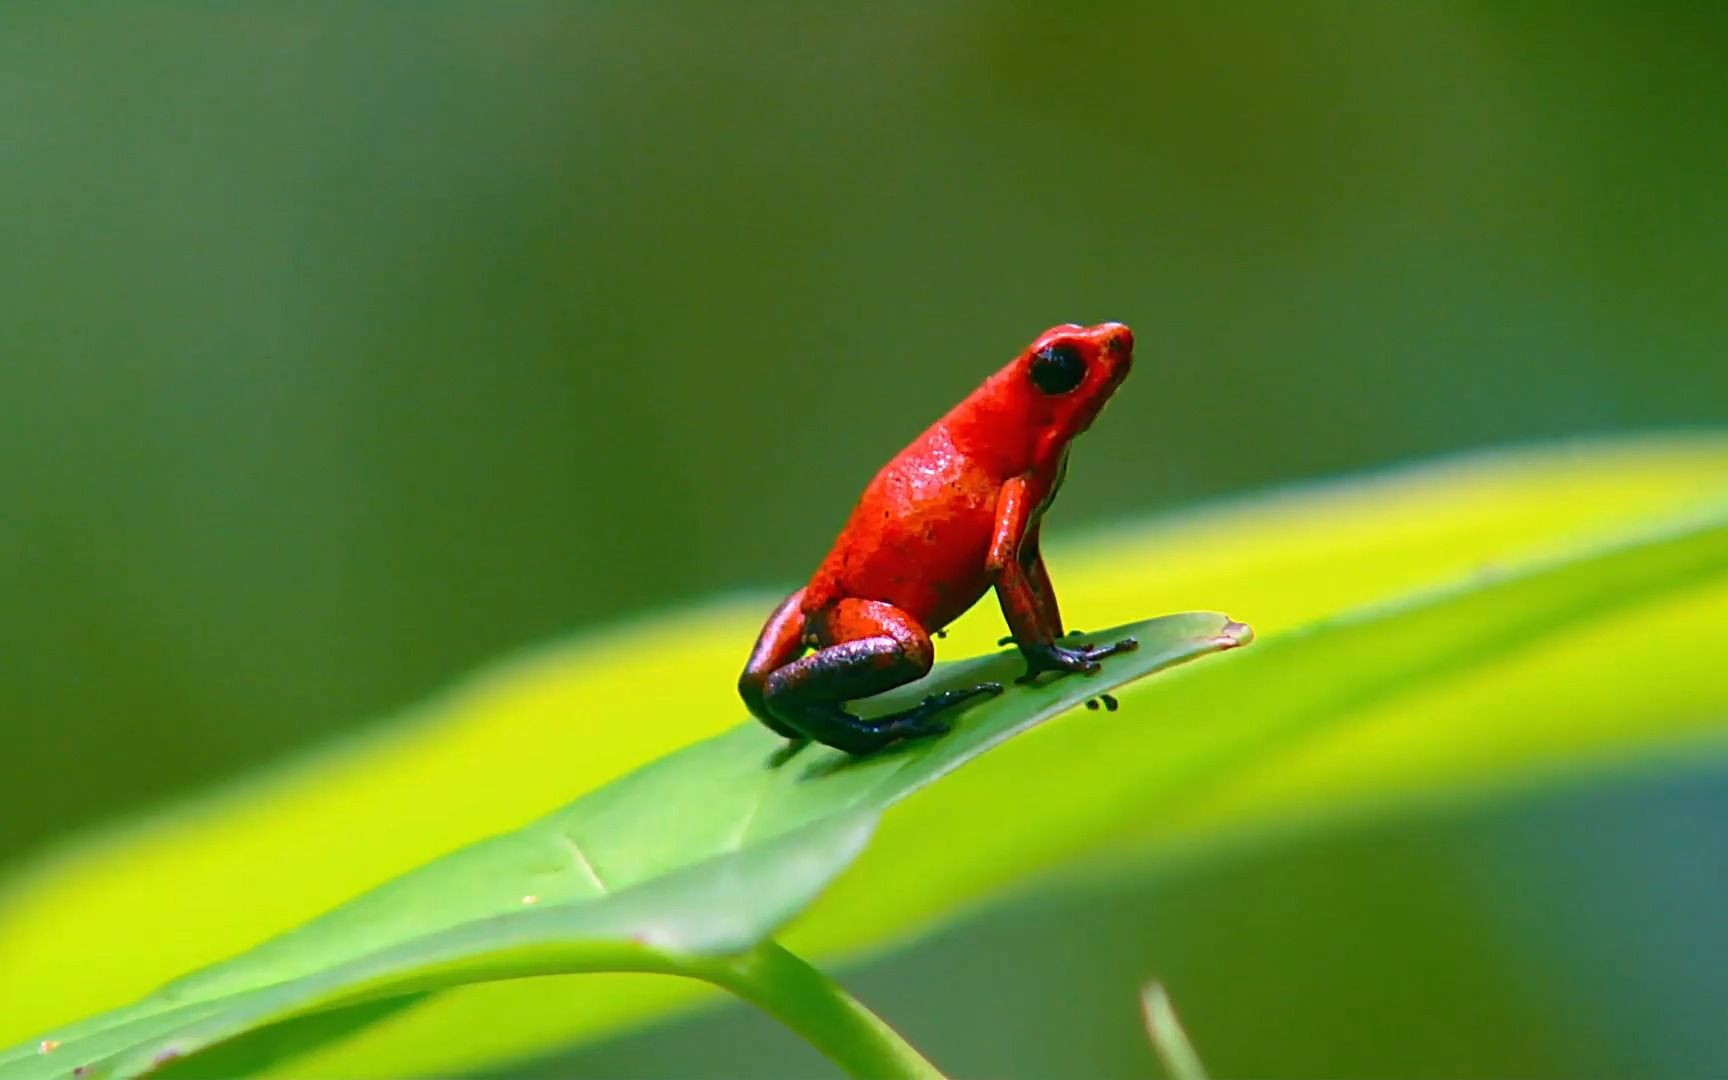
x=920 y=719
x=859 y=736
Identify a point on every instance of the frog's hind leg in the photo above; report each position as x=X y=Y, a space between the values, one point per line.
x=869 y=647
x=780 y=643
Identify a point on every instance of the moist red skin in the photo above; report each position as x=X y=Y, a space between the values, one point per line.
x=951 y=516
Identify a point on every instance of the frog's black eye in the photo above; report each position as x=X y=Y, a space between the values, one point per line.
x=1057 y=369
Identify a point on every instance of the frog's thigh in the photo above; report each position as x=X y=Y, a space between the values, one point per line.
x=879 y=647
x=780 y=643
x=864 y=647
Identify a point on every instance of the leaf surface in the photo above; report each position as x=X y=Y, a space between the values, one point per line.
x=701 y=854
x=1428 y=632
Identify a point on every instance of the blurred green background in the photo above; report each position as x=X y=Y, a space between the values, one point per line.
x=343 y=345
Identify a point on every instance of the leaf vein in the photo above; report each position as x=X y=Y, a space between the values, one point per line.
x=583 y=862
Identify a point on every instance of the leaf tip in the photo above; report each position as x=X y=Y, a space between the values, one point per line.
x=1233 y=635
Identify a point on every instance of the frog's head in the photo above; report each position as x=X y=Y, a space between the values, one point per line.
x=1027 y=412
x=1069 y=372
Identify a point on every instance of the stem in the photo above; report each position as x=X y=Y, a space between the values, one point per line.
x=1169 y=1041
x=817 y=1008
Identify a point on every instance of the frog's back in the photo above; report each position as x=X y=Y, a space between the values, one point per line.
x=918 y=537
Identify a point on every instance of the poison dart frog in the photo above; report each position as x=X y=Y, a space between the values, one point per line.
x=952 y=516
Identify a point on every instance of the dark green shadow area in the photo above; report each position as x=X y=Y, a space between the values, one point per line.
x=1575 y=931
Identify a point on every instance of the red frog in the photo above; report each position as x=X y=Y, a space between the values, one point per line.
x=952 y=516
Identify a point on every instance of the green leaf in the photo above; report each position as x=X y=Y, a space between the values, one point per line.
x=1403 y=620
x=699 y=855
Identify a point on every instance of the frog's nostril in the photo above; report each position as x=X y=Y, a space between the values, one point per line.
x=1120 y=340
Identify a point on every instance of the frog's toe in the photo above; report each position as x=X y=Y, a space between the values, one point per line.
x=1100 y=652
x=918 y=727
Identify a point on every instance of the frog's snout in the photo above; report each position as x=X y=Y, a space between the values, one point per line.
x=1118 y=340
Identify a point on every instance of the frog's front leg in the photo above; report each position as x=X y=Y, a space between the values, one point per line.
x=865 y=647
x=1016 y=569
x=1038 y=576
